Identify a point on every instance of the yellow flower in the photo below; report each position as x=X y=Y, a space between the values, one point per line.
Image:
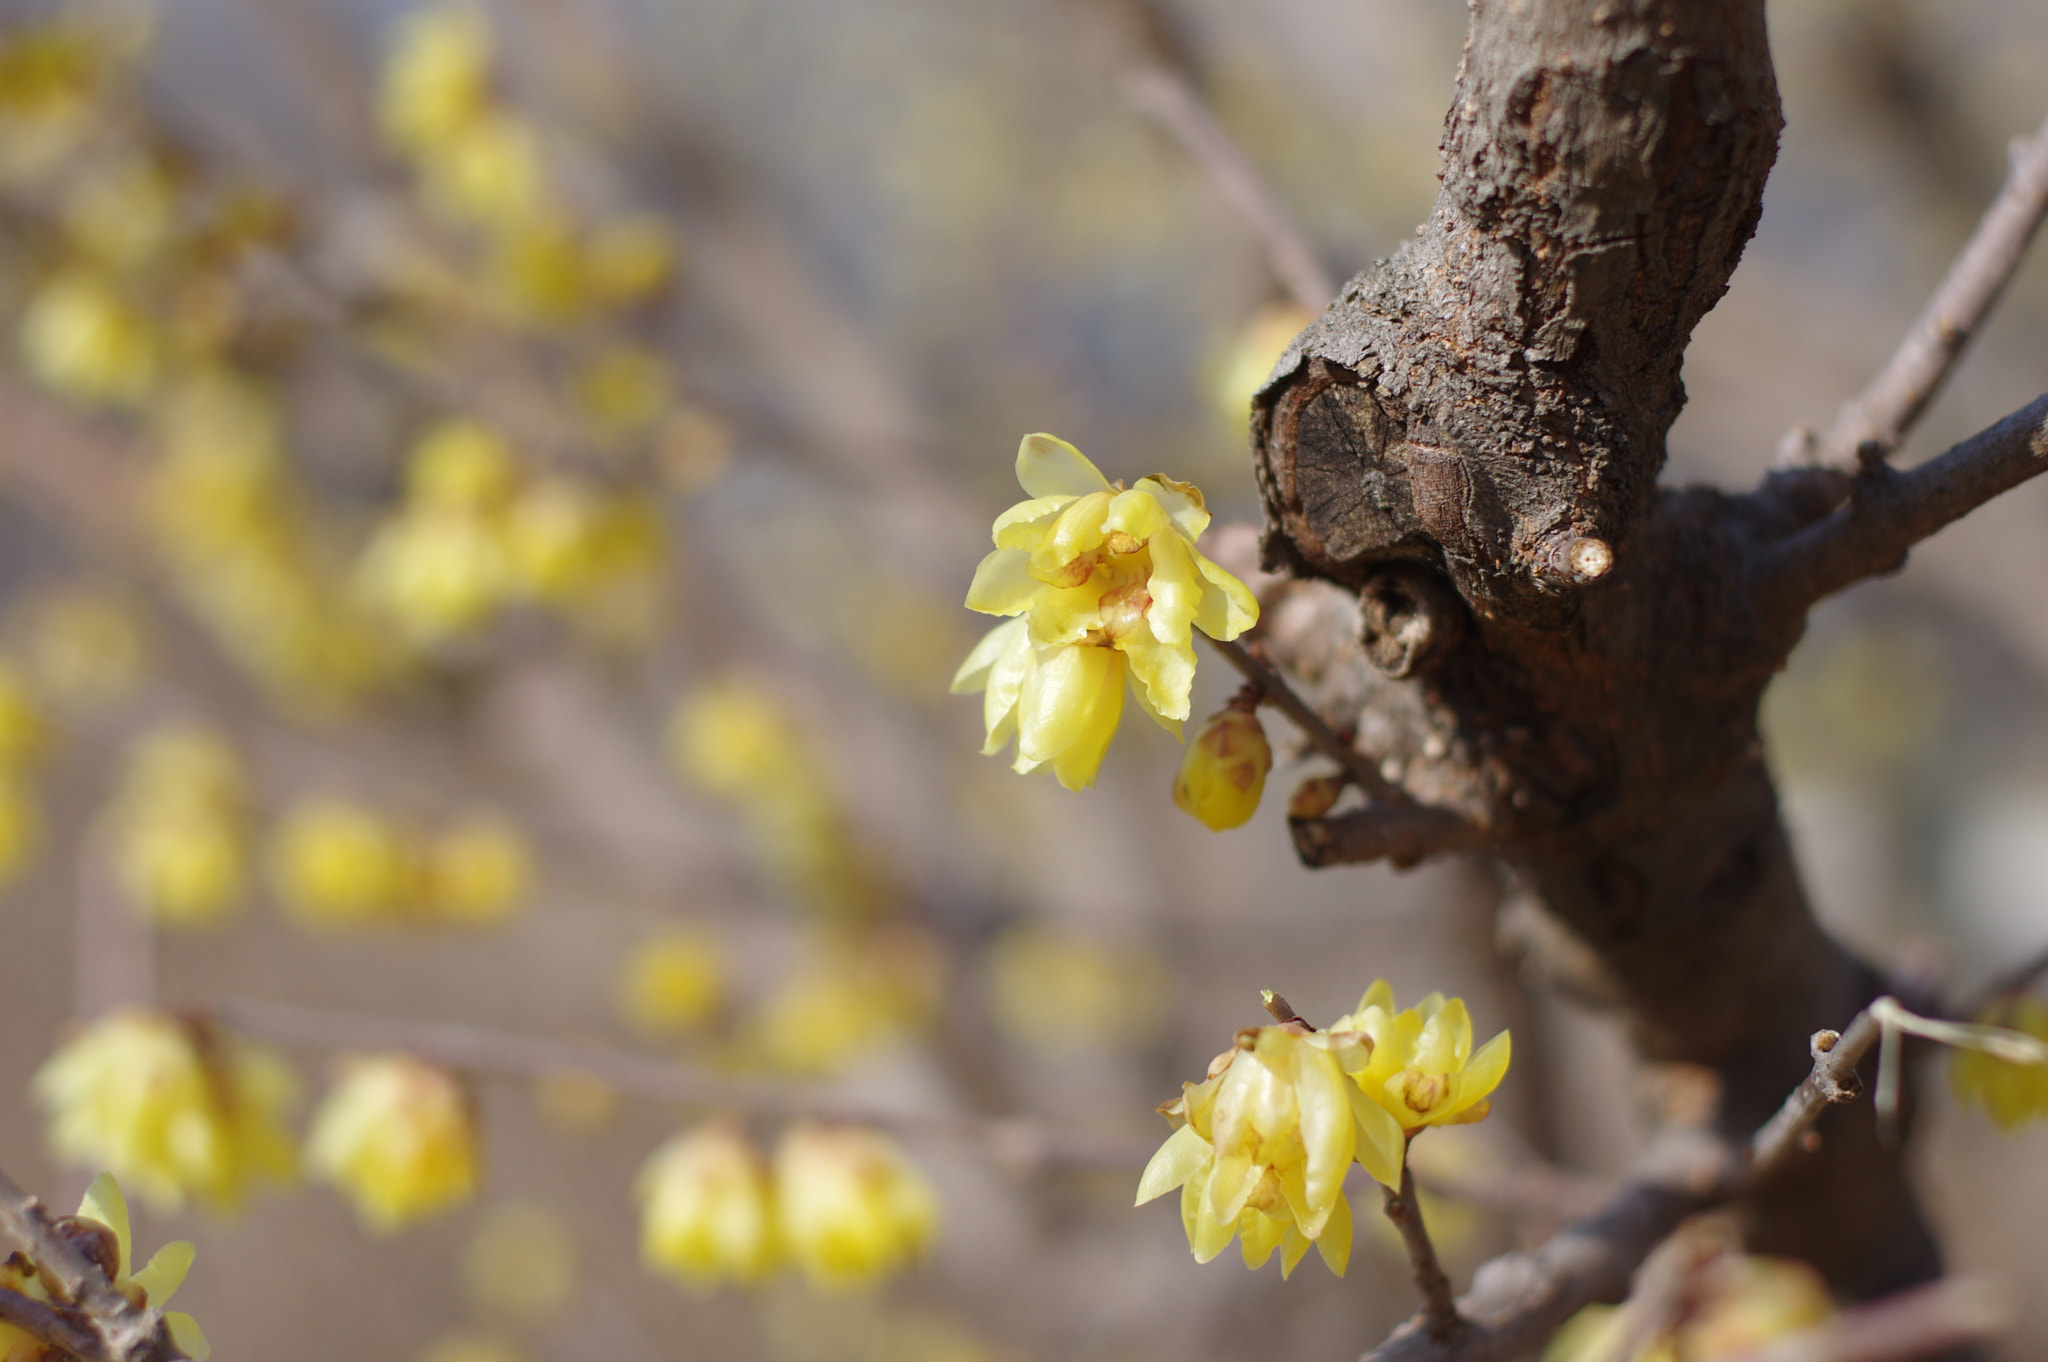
x=334 y=862
x=623 y=389
x=1050 y=990
x=849 y=1207
x=2012 y=1094
x=1423 y=1069
x=1265 y=1142
x=843 y=1003
x=1107 y=584
x=706 y=1208
x=437 y=76
x=630 y=257
x=1223 y=772
x=736 y=742
x=100 y=1230
x=85 y=341
x=178 y=827
x=1736 y=1306
x=673 y=982
x=397 y=1135
x=475 y=871
x=178 y=1110
x=484 y=172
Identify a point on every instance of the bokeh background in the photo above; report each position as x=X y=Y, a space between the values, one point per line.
x=878 y=241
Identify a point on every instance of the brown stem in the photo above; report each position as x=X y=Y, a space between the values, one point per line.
x=1880 y=416
x=1835 y=1056
x=1439 y=1304
x=99 y=1324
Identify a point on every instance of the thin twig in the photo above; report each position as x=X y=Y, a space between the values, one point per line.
x=94 y=1322
x=1313 y=726
x=1168 y=98
x=1835 y=1056
x=1889 y=511
x=1019 y=1144
x=1439 y=1303
x=1883 y=413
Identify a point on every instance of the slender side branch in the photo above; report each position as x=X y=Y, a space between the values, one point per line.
x=1883 y=413
x=1439 y=1307
x=1020 y=1144
x=1835 y=1056
x=1890 y=511
x=1166 y=96
x=93 y=1321
x=1401 y=836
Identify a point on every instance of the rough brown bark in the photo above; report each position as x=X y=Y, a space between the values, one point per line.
x=1567 y=661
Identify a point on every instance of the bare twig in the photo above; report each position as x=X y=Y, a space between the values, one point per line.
x=1883 y=413
x=1439 y=1306
x=1835 y=1056
x=1019 y=1144
x=1313 y=726
x=91 y=1320
x=1168 y=98
x=1926 y=1321
x=1888 y=512
x=1400 y=835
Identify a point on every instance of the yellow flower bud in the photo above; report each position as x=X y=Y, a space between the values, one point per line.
x=178 y=1110
x=460 y=464
x=439 y=573
x=334 y=862
x=673 y=982
x=706 y=1209
x=849 y=1207
x=484 y=172
x=398 y=1137
x=476 y=871
x=1223 y=772
x=2011 y=1094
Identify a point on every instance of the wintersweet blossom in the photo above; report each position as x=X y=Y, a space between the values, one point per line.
x=1423 y=1069
x=849 y=1207
x=1104 y=584
x=1264 y=1142
x=101 y=1229
x=2012 y=1094
x=398 y=1136
x=706 y=1208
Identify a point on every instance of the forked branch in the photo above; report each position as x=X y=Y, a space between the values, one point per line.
x=89 y=1319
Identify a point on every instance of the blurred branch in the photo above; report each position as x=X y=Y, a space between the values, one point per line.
x=1439 y=1306
x=89 y=1319
x=1926 y=1321
x=1883 y=413
x=1168 y=97
x=1021 y=1145
x=1889 y=511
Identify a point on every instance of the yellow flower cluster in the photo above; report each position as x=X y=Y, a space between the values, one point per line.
x=51 y=76
x=24 y=736
x=1737 y=1305
x=2011 y=1094
x=1261 y=1145
x=1107 y=585
x=397 y=1136
x=842 y=1204
x=338 y=863
x=178 y=828
x=673 y=982
x=1223 y=771
x=101 y=1229
x=178 y=1109
x=476 y=535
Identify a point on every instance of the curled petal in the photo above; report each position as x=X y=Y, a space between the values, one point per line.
x=1446 y=1038
x=1207 y=1235
x=1228 y=606
x=1048 y=466
x=1141 y=691
x=1003 y=584
x=1062 y=557
x=166 y=1272
x=974 y=672
x=1006 y=678
x=1184 y=1154
x=1182 y=502
x=1165 y=676
x=1328 y=1134
x=105 y=1203
x=1382 y=1146
x=1483 y=1073
x=1176 y=590
x=1138 y=513
x=1024 y=525
x=186 y=1333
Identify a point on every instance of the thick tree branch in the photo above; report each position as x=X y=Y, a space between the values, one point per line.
x=1889 y=511
x=1883 y=413
x=91 y=1320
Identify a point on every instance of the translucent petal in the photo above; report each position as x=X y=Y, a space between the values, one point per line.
x=190 y=1338
x=1228 y=606
x=1165 y=673
x=1184 y=1154
x=1138 y=514
x=1176 y=590
x=105 y=1203
x=1048 y=466
x=1076 y=532
x=1207 y=1235
x=166 y=1272
x=1261 y=1234
x=1068 y=710
x=1380 y=995
x=974 y=672
x=1328 y=1133
x=1296 y=1249
x=1446 y=1038
x=1334 y=1243
x=1066 y=614
x=1003 y=584
x=1006 y=678
x=1182 y=500
x=1484 y=1071
x=1024 y=525
x=1142 y=694
x=1381 y=1144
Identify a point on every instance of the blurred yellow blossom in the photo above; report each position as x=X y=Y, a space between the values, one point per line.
x=843 y=1002
x=485 y=172
x=706 y=1208
x=849 y=1207
x=520 y=1264
x=2011 y=1094
x=630 y=257
x=179 y=1110
x=672 y=982
x=622 y=389
x=87 y=342
x=1264 y=1142
x=398 y=1136
x=178 y=827
x=50 y=78
x=122 y=209
x=439 y=565
x=100 y=1230
x=1423 y=1069
x=1107 y=584
x=436 y=76
x=1252 y=353
x=1223 y=771
x=1050 y=988
x=335 y=862
x=1736 y=1304
x=475 y=871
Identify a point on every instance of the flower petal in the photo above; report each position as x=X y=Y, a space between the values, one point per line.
x=1067 y=711
x=1381 y=1144
x=1182 y=501
x=1228 y=606
x=1175 y=588
x=1328 y=1133
x=974 y=672
x=1138 y=513
x=1184 y=1154
x=1024 y=525
x=1006 y=678
x=105 y=1203
x=186 y=1333
x=1061 y=558
x=1141 y=692
x=1003 y=584
x=1048 y=466
x=1334 y=1243
x=1166 y=672
x=166 y=1272
x=1483 y=1072
x=1207 y=1235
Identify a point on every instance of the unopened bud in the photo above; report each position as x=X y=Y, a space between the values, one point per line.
x=1223 y=772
